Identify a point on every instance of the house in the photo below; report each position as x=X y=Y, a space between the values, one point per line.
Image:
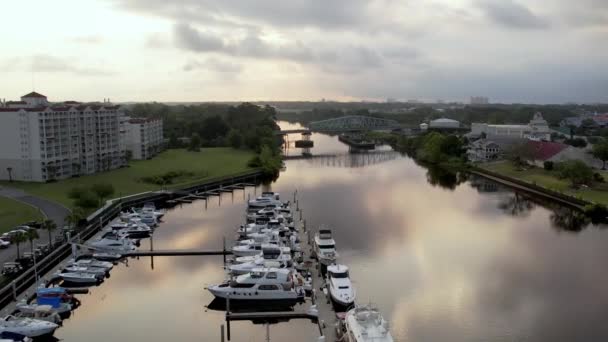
x=542 y=151
x=483 y=150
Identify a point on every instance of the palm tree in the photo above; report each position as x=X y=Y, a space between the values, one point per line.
x=31 y=235
x=49 y=226
x=74 y=217
x=18 y=238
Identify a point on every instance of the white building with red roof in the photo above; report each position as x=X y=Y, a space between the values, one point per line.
x=42 y=141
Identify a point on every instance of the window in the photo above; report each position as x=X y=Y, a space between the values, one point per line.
x=271 y=275
x=268 y=287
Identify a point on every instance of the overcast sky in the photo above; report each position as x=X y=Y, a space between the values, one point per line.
x=537 y=51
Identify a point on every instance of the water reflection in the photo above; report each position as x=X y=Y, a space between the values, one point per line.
x=476 y=263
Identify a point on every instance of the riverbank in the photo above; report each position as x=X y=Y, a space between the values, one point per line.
x=195 y=166
x=14 y=213
x=546 y=179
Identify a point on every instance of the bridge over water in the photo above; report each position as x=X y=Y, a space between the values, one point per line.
x=349 y=123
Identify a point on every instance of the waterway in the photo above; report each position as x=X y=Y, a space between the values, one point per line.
x=445 y=257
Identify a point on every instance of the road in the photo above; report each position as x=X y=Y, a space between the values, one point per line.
x=51 y=210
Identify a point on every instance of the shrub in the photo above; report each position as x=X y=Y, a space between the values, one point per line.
x=597 y=177
x=548 y=165
x=167 y=177
x=88 y=199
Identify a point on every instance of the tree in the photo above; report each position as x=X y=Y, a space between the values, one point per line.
x=600 y=151
x=49 y=226
x=195 y=143
x=235 y=139
x=19 y=238
x=576 y=171
x=520 y=154
x=51 y=170
x=102 y=190
x=31 y=235
x=87 y=200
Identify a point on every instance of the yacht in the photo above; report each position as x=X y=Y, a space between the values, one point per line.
x=340 y=287
x=262 y=202
x=79 y=278
x=325 y=247
x=100 y=273
x=246 y=248
x=107 y=256
x=270 y=194
x=113 y=244
x=272 y=256
x=132 y=230
x=27 y=326
x=365 y=324
x=149 y=207
x=251 y=228
x=262 y=284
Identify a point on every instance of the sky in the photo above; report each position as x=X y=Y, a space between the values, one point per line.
x=525 y=51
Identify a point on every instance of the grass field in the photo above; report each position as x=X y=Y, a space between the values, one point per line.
x=598 y=193
x=13 y=213
x=208 y=163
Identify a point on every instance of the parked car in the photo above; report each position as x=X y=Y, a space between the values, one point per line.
x=34 y=224
x=4 y=243
x=11 y=269
x=9 y=235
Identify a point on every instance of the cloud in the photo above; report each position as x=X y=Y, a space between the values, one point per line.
x=156 y=40
x=91 y=39
x=51 y=64
x=214 y=64
x=189 y=38
x=511 y=14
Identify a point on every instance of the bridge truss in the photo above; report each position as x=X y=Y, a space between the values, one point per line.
x=352 y=123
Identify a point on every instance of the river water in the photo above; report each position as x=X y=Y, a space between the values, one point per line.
x=445 y=257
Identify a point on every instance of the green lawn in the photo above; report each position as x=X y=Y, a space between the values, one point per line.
x=14 y=213
x=598 y=193
x=208 y=163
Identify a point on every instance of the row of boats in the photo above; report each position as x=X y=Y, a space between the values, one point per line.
x=268 y=268
x=51 y=305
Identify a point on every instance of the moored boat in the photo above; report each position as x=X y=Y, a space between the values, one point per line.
x=366 y=324
x=340 y=287
x=27 y=326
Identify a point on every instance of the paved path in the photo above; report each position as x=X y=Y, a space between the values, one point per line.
x=51 y=210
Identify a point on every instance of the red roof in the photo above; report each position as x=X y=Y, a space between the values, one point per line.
x=34 y=94
x=544 y=150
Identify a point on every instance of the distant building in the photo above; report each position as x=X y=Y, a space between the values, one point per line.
x=444 y=123
x=543 y=151
x=538 y=129
x=143 y=137
x=479 y=100
x=483 y=150
x=598 y=120
x=41 y=141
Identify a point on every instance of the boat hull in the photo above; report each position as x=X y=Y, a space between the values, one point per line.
x=255 y=295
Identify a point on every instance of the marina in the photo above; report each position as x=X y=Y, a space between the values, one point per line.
x=395 y=251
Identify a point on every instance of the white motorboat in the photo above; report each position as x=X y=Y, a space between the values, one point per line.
x=27 y=326
x=272 y=256
x=262 y=202
x=366 y=324
x=247 y=248
x=61 y=309
x=270 y=252
x=262 y=284
x=107 y=256
x=340 y=287
x=90 y=262
x=151 y=208
x=270 y=194
x=79 y=278
x=251 y=228
x=100 y=273
x=113 y=244
x=40 y=312
x=325 y=247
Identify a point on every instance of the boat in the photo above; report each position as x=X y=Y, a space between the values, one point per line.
x=325 y=247
x=79 y=278
x=365 y=324
x=91 y=262
x=131 y=230
x=247 y=248
x=262 y=284
x=112 y=244
x=107 y=256
x=40 y=312
x=340 y=287
x=7 y=336
x=61 y=308
x=27 y=326
x=262 y=202
x=53 y=296
x=100 y=273
x=270 y=194
x=272 y=256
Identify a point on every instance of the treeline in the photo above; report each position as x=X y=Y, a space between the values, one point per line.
x=493 y=114
x=434 y=148
x=245 y=126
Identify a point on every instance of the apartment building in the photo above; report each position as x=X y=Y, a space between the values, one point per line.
x=143 y=137
x=42 y=141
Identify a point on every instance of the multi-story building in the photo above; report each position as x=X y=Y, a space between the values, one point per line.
x=143 y=137
x=537 y=129
x=42 y=141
